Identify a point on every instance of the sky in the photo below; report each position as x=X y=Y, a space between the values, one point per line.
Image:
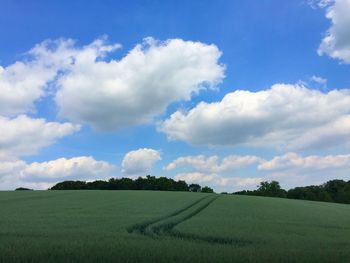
x=221 y=93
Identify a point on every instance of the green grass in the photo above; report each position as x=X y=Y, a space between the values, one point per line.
x=278 y=229
x=148 y=226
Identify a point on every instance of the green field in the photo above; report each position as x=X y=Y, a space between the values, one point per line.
x=150 y=226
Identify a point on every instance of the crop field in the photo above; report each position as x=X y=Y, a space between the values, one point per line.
x=151 y=226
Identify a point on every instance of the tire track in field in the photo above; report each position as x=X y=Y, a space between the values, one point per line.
x=164 y=226
x=141 y=227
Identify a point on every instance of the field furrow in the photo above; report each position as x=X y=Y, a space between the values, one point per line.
x=165 y=226
x=143 y=228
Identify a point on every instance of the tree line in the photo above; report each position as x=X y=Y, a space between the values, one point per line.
x=337 y=191
x=141 y=183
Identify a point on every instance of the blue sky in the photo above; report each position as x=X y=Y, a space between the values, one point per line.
x=289 y=123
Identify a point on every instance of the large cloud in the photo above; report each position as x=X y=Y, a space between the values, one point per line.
x=133 y=90
x=139 y=162
x=24 y=136
x=36 y=175
x=91 y=87
x=24 y=82
x=336 y=43
x=284 y=116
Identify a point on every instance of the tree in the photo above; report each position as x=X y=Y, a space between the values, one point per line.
x=142 y=183
x=97 y=185
x=272 y=189
x=337 y=191
x=23 y=189
x=207 y=189
x=70 y=185
x=194 y=188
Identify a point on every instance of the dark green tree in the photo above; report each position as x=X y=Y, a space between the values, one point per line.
x=194 y=188
x=23 y=189
x=272 y=189
x=207 y=189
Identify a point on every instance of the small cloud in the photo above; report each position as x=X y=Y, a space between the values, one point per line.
x=319 y=80
x=315 y=4
x=139 y=162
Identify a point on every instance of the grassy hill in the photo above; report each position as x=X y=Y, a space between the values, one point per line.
x=150 y=226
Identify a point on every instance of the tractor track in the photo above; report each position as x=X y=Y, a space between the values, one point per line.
x=164 y=226
x=141 y=227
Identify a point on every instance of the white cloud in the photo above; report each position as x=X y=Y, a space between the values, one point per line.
x=289 y=169
x=294 y=170
x=319 y=80
x=135 y=89
x=219 y=183
x=336 y=43
x=292 y=160
x=11 y=167
x=211 y=164
x=25 y=136
x=24 y=82
x=139 y=162
x=21 y=85
x=284 y=117
x=320 y=3
x=91 y=87
x=84 y=167
x=216 y=172
x=43 y=175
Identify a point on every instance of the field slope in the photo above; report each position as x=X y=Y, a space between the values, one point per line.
x=150 y=226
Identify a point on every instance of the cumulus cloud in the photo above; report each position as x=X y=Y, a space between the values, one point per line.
x=214 y=171
x=336 y=42
x=295 y=170
x=211 y=164
x=139 y=162
x=133 y=90
x=292 y=160
x=24 y=136
x=84 y=167
x=290 y=169
x=90 y=87
x=11 y=167
x=42 y=175
x=24 y=82
x=284 y=116
x=219 y=183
